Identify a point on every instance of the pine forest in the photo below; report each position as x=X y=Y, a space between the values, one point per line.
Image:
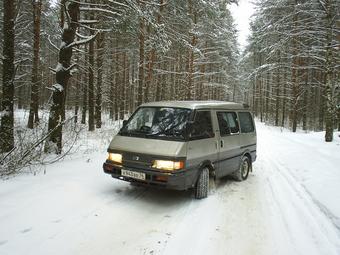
x=69 y=66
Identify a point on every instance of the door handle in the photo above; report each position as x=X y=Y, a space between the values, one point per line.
x=222 y=143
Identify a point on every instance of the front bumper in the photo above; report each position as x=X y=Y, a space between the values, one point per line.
x=179 y=180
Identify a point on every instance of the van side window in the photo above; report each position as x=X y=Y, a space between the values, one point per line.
x=246 y=122
x=202 y=126
x=228 y=123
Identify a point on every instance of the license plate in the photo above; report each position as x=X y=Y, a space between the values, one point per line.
x=132 y=174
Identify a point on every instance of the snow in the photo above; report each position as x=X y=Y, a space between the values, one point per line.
x=288 y=205
x=58 y=87
x=59 y=67
x=4 y=113
x=62 y=45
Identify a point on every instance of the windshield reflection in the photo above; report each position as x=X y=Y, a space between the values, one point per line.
x=158 y=122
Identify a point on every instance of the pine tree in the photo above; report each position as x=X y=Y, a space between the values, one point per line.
x=34 y=105
x=8 y=73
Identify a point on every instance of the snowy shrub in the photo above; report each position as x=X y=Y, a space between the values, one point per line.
x=28 y=154
x=29 y=147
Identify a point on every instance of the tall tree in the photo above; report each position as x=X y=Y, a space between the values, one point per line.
x=328 y=6
x=55 y=121
x=141 y=56
x=8 y=73
x=91 y=98
x=34 y=105
x=100 y=55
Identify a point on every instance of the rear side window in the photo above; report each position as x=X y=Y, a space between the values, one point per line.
x=228 y=123
x=246 y=122
x=202 y=127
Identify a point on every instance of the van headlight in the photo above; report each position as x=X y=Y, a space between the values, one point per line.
x=168 y=165
x=115 y=157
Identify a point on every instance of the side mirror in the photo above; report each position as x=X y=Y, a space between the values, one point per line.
x=124 y=123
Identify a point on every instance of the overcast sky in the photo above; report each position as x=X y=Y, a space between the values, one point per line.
x=241 y=14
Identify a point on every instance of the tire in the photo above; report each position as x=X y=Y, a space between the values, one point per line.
x=242 y=173
x=202 y=185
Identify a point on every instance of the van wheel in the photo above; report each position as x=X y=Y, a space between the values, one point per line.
x=242 y=173
x=202 y=186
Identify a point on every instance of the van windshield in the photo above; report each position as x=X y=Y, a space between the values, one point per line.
x=158 y=123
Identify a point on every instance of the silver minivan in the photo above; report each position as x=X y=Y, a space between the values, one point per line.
x=182 y=144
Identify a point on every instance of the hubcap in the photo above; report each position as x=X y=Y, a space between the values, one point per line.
x=245 y=169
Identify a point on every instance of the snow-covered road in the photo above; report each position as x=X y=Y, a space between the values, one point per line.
x=290 y=204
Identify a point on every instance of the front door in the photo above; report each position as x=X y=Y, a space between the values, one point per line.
x=203 y=140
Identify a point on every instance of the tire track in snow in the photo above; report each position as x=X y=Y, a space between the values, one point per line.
x=298 y=211
x=334 y=219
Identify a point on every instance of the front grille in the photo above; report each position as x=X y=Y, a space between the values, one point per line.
x=135 y=160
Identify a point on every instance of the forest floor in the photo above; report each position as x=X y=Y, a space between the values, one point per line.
x=290 y=204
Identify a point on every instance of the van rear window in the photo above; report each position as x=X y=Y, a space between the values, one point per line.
x=246 y=122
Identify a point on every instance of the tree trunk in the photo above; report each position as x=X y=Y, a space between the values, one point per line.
x=321 y=103
x=77 y=90
x=295 y=81
x=100 y=55
x=117 y=83
x=85 y=92
x=277 y=97
x=121 y=92
x=112 y=97
x=152 y=56
x=305 y=98
x=158 y=85
x=91 y=85
x=127 y=86
x=141 y=58
x=267 y=97
x=190 y=93
x=330 y=104
x=33 y=114
x=77 y=98
x=338 y=114
x=62 y=76
x=202 y=73
x=261 y=99
x=8 y=73
x=284 y=98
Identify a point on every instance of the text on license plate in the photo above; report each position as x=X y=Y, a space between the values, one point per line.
x=132 y=174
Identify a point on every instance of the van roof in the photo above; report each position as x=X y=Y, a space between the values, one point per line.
x=197 y=104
